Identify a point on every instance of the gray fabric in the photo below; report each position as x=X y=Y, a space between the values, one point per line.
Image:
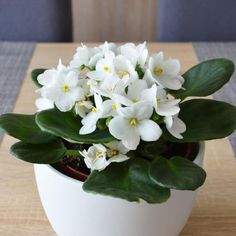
x=196 y=20
x=36 y=20
x=14 y=60
x=206 y=51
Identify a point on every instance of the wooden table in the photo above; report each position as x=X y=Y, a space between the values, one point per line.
x=21 y=212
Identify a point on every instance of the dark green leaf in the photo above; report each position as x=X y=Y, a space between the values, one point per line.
x=66 y=125
x=46 y=153
x=151 y=149
x=127 y=180
x=140 y=71
x=34 y=75
x=205 y=78
x=205 y=119
x=177 y=173
x=23 y=127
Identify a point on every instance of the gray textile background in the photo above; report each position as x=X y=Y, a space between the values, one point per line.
x=206 y=51
x=14 y=60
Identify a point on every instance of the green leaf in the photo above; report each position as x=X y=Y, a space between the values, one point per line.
x=34 y=75
x=46 y=153
x=140 y=71
x=205 y=78
x=23 y=127
x=205 y=120
x=177 y=173
x=151 y=149
x=127 y=180
x=67 y=126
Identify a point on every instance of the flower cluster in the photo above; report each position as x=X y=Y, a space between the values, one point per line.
x=121 y=85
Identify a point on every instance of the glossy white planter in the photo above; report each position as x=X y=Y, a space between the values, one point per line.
x=73 y=212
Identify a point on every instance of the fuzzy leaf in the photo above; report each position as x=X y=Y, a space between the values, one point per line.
x=67 y=126
x=205 y=78
x=127 y=180
x=46 y=153
x=205 y=120
x=177 y=173
x=23 y=127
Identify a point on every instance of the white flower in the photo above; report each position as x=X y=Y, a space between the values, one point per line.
x=164 y=73
x=49 y=76
x=83 y=107
x=135 y=54
x=95 y=157
x=125 y=69
x=134 y=93
x=105 y=80
x=116 y=152
x=108 y=47
x=132 y=123
x=43 y=104
x=175 y=126
x=86 y=56
x=158 y=97
x=98 y=157
x=64 y=91
x=98 y=111
x=104 y=68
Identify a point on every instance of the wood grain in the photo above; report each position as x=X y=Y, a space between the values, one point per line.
x=21 y=213
x=112 y=20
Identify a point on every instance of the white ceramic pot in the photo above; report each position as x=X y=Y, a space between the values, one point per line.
x=73 y=212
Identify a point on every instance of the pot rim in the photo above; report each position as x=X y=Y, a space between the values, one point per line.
x=198 y=160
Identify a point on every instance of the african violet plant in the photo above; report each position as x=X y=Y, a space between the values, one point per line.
x=124 y=108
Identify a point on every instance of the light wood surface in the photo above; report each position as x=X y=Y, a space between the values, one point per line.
x=21 y=213
x=114 y=20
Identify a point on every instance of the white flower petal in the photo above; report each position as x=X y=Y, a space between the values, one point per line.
x=98 y=100
x=172 y=66
x=148 y=77
x=118 y=127
x=44 y=104
x=177 y=128
x=91 y=118
x=136 y=88
x=170 y=82
x=87 y=129
x=168 y=108
x=64 y=103
x=169 y=121
x=149 y=130
x=97 y=75
x=118 y=158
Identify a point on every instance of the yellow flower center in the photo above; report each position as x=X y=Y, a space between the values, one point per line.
x=123 y=74
x=95 y=83
x=113 y=153
x=158 y=101
x=106 y=68
x=158 y=70
x=66 y=88
x=134 y=100
x=95 y=110
x=98 y=154
x=113 y=107
x=133 y=122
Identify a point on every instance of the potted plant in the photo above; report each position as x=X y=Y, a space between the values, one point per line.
x=117 y=147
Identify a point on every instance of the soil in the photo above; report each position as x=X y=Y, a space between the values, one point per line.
x=76 y=168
